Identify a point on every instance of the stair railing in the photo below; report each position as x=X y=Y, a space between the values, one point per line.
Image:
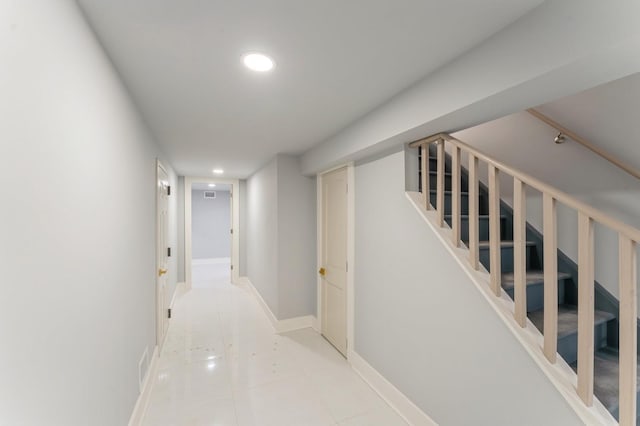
x=587 y=144
x=628 y=238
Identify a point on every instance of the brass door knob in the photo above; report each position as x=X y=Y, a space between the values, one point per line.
x=322 y=272
x=161 y=272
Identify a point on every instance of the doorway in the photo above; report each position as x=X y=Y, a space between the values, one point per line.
x=335 y=257
x=211 y=231
x=162 y=253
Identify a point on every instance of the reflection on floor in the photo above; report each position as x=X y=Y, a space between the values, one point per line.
x=211 y=273
x=222 y=364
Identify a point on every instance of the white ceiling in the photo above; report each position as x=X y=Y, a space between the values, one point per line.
x=336 y=60
x=607 y=115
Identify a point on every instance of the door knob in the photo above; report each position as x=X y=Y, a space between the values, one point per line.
x=322 y=272
x=161 y=272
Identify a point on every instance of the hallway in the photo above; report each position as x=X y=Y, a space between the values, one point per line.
x=222 y=364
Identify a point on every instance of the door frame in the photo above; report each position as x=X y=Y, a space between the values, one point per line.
x=350 y=303
x=160 y=310
x=235 y=225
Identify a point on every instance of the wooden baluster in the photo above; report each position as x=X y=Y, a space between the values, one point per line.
x=494 y=230
x=628 y=274
x=425 y=176
x=519 y=252
x=473 y=211
x=440 y=182
x=585 y=308
x=455 y=195
x=550 y=278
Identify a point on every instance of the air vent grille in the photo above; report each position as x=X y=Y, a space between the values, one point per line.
x=208 y=195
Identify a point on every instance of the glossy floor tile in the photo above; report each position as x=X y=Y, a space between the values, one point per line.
x=222 y=364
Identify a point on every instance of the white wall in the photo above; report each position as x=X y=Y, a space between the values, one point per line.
x=296 y=239
x=262 y=233
x=281 y=237
x=77 y=224
x=525 y=143
x=559 y=48
x=211 y=225
x=243 y=227
x=180 y=254
x=422 y=324
x=606 y=116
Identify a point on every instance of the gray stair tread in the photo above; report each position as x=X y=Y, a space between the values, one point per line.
x=486 y=244
x=533 y=277
x=481 y=216
x=567 y=319
x=605 y=380
x=435 y=191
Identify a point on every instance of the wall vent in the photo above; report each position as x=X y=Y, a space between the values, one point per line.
x=209 y=195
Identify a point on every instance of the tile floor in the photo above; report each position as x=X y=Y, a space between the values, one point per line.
x=222 y=364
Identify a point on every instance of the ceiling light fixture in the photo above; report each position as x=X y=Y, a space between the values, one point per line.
x=218 y=171
x=258 y=62
x=212 y=185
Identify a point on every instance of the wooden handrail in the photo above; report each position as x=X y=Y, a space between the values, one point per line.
x=628 y=236
x=562 y=197
x=582 y=141
x=429 y=139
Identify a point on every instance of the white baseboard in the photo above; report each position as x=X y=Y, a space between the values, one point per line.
x=296 y=323
x=140 y=408
x=389 y=393
x=211 y=261
x=285 y=325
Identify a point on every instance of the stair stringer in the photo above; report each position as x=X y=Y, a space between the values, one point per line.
x=560 y=374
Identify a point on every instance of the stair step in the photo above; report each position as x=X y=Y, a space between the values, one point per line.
x=568 y=329
x=484 y=245
x=464 y=201
x=507 y=254
x=480 y=216
x=535 y=288
x=483 y=226
x=606 y=378
x=448 y=182
x=464 y=193
x=568 y=319
x=435 y=173
x=533 y=278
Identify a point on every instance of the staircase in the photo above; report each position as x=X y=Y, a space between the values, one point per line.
x=601 y=371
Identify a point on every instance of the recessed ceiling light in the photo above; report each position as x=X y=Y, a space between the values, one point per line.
x=258 y=62
x=218 y=171
x=212 y=185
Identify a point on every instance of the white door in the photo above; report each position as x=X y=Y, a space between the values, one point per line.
x=334 y=258
x=162 y=255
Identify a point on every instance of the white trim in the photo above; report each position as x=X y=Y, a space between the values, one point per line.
x=350 y=252
x=560 y=374
x=319 y=253
x=211 y=261
x=285 y=325
x=140 y=409
x=389 y=393
x=235 y=225
x=160 y=332
x=297 y=323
